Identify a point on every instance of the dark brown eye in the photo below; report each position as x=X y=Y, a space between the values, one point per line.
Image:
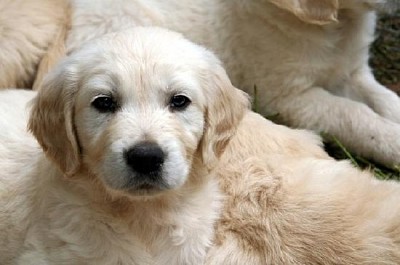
x=179 y=102
x=104 y=104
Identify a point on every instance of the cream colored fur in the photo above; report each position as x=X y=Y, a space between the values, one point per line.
x=288 y=203
x=308 y=58
x=281 y=199
x=27 y=31
x=75 y=202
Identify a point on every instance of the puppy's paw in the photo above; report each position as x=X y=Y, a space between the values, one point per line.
x=381 y=143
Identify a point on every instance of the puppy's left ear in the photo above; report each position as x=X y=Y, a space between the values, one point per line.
x=319 y=12
x=225 y=109
x=51 y=120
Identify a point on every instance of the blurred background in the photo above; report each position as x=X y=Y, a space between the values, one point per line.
x=385 y=51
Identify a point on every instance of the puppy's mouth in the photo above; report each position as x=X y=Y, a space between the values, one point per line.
x=145 y=191
x=146 y=187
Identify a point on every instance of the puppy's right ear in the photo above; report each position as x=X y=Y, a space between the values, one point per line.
x=51 y=120
x=226 y=107
x=319 y=12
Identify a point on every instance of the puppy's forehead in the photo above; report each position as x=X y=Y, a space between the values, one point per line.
x=147 y=58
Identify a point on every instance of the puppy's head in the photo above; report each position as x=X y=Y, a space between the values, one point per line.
x=137 y=109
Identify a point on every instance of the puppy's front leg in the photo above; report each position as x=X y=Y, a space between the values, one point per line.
x=353 y=123
x=382 y=100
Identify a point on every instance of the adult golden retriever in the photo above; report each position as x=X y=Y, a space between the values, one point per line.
x=146 y=154
x=306 y=58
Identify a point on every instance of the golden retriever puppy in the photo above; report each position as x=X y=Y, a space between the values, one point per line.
x=307 y=58
x=146 y=154
x=130 y=128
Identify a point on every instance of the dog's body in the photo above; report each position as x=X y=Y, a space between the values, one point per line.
x=294 y=205
x=284 y=200
x=308 y=60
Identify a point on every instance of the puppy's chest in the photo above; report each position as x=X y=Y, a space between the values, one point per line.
x=93 y=239
x=345 y=51
x=176 y=241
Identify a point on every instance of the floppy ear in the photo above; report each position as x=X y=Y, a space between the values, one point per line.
x=318 y=12
x=225 y=109
x=51 y=120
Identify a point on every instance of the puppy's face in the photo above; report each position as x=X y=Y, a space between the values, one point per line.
x=138 y=108
x=139 y=124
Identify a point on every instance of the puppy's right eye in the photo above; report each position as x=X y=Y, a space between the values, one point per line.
x=104 y=104
x=179 y=102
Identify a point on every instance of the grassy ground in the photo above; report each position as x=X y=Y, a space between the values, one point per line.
x=385 y=61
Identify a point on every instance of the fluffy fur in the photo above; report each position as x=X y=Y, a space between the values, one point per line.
x=307 y=59
x=284 y=201
x=28 y=30
x=78 y=201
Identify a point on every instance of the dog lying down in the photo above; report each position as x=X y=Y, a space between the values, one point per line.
x=307 y=58
x=150 y=156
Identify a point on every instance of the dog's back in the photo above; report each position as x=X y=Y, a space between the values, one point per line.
x=288 y=203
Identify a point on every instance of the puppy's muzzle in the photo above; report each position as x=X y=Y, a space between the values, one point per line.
x=146 y=159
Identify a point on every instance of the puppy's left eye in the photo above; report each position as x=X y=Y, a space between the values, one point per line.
x=179 y=102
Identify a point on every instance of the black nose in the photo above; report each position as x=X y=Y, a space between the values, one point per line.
x=145 y=158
